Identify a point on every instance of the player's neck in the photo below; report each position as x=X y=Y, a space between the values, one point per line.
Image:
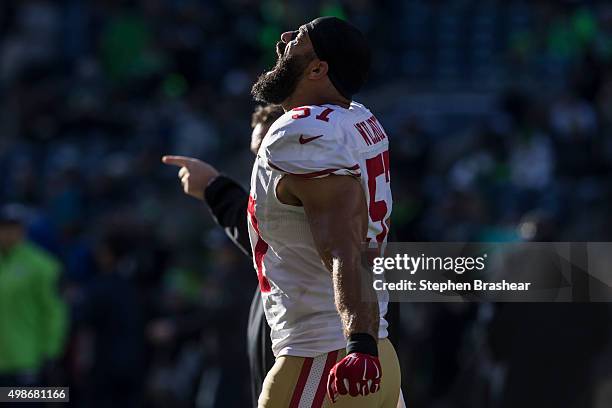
x=299 y=99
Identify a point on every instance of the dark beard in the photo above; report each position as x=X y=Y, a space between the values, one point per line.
x=278 y=84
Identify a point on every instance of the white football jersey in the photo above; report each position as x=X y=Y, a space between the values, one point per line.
x=297 y=289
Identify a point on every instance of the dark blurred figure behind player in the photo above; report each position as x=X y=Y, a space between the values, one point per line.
x=227 y=201
x=111 y=312
x=548 y=349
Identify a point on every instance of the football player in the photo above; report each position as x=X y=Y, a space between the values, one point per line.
x=227 y=201
x=313 y=80
x=320 y=187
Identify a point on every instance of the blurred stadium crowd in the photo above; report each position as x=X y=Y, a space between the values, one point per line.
x=500 y=118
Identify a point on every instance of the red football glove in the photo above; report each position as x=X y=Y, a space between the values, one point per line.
x=356 y=374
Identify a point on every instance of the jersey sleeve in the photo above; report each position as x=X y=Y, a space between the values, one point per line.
x=309 y=148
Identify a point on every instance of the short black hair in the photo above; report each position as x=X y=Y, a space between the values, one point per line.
x=266 y=115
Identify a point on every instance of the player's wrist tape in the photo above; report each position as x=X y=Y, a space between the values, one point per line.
x=362 y=343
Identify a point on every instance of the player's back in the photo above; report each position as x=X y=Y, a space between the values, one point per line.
x=311 y=142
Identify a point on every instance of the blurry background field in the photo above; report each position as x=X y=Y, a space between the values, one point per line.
x=500 y=120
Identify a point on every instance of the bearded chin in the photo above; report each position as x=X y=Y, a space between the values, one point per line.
x=278 y=84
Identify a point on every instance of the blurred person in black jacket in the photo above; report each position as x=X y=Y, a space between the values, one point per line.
x=548 y=349
x=227 y=201
x=111 y=311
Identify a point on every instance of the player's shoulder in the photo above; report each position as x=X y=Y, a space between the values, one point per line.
x=306 y=119
x=357 y=109
x=308 y=140
x=314 y=120
x=306 y=128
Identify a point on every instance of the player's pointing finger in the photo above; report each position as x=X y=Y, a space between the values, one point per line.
x=180 y=161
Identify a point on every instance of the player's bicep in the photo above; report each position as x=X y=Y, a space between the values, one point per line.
x=336 y=211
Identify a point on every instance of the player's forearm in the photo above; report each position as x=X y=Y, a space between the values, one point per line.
x=358 y=309
x=227 y=201
x=354 y=298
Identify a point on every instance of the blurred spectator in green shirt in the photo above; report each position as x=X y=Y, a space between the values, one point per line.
x=33 y=319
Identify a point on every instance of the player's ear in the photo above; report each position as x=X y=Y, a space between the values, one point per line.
x=317 y=69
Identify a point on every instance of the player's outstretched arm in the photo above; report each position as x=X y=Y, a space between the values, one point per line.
x=226 y=199
x=337 y=215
